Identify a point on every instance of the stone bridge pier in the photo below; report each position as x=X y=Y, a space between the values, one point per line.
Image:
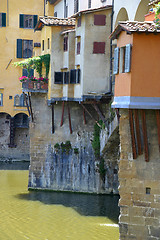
x=139 y=174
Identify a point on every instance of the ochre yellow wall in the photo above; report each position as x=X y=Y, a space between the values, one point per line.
x=9 y=78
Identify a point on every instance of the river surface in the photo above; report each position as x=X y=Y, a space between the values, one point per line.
x=51 y=215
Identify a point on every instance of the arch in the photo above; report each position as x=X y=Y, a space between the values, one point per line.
x=121 y=16
x=22 y=102
x=21 y=120
x=142 y=10
x=16 y=100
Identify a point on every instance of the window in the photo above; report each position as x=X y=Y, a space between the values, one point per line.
x=42 y=45
x=79 y=22
x=65 y=9
x=65 y=44
x=1 y=99
x=27 y=21
x=78 y=48
x=48 y=43
x=100 y=20
x=99 y=47
x=122 y=59
x=55 y=14
x=76 y=6
x=21 y=120
x=72 y=77
x=24 y=48
x=2 y=19
x=89 y=3
x=25 y=73
x=19 y=101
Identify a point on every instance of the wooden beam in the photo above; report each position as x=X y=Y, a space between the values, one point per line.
x=99 y=112
x=138 y=132
x=84 y=116
x=27 y=104
x=90 y=114
x=62 y=114
x=158 y=126
x=132 y=133
x=145 y=140
x=69 y=118
x=52 y=118
x=29 y=97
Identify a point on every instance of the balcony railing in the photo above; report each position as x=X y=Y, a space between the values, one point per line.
x=34 y=86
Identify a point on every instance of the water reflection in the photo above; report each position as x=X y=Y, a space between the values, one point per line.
x=84 y=204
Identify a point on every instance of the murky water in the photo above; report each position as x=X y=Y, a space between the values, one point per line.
x=53 y=216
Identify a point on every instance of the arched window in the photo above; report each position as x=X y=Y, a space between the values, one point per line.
x=22 y=102
x=16 y=100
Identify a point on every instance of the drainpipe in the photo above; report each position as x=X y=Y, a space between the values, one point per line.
x=111 y=57
x=44 y=8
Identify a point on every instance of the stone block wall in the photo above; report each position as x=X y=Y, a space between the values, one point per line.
x=139 y=183
x=74 y=169
x=21 y=139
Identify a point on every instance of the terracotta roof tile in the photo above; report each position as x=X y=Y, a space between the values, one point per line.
x=53 y=21
x=130 y=27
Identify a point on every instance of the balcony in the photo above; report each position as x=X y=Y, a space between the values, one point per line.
x=35 y=86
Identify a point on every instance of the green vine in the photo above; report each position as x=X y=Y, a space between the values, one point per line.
x=35 y=63
x=157 y=12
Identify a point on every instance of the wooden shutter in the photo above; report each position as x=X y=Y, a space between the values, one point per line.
x=116 y=60
x=19 y=48
x=78 y=75
x=99 y=47
x=35 y=19
x=100 y=20
x=66 y=77
x=21 y=20
x=127 y=65
x=3 y=19
x=73 y=76
x=58 y=78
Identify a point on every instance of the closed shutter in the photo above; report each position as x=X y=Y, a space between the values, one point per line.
x=19 y=48
x=73 y=76
x=100 y=20
x=66 y=77
x=3 y=19
x=25 y=73
x=78 y=75
x=58 y=78
x=127 y=65
x=21 y=20
x=35 y=20
x=78 y=47
x=99 y=47
x=116 y=60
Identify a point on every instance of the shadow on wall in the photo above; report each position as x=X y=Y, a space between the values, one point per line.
x=84 y=204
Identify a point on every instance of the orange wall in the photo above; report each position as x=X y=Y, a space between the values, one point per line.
x=123 y=80
x=145 y=65
x=144 y=78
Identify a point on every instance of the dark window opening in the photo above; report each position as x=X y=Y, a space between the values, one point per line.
x=48 y=43
x=10 y=97
x=65 y=44
x=2 y=19
x=21 y=121
x=66 y=77
x=89 y=3
x=42 y=45
x=58 y=78
x=1 y=99
x=79 y=22
x=76 y=6
x=24 y=48
x=27 y=21
x=55 y=14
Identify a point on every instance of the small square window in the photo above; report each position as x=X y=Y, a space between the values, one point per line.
x=10 y=97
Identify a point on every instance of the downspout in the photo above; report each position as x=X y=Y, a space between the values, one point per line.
x=44 y=8
x=111 y=57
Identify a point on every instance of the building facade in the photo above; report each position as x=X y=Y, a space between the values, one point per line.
x=17 y=22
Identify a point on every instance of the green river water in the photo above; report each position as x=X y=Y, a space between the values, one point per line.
x=51 y=215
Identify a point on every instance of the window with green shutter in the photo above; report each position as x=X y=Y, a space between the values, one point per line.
x=127 y=65
x=116 y=61
x=2 y=19
x=24 y=48
x=27 y=21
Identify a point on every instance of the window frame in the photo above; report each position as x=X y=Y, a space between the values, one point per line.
x=1 y=99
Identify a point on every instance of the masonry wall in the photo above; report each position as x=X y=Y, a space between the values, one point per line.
x=21 y=140
x=139 y=183
x=69 y=169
